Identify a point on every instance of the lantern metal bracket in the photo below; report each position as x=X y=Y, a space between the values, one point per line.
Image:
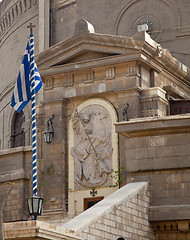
x=50 y=124
x=49 y=134
x=125 y=113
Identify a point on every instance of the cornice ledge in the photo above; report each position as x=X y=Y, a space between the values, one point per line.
x=154 y=126
x=162 y=56
x=14 y=175
x=36 y=229
x=169 y=212
x=92 y=38
x=15 y=150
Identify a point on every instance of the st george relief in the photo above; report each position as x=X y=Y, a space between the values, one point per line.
x=92 y=151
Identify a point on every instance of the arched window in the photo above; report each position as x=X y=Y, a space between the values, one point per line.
x=25 y=5
x=18 y=135
x=16 y=9
x=20 y=6
x=30 y=3
x=13 y=15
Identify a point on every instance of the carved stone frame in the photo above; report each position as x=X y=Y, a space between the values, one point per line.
x=76 y=197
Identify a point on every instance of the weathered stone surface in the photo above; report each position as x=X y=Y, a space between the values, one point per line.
x=121 y=214
x=162 y=213
x=125 y=71
x=83 y=26
x=92 y=149
x=36 y=229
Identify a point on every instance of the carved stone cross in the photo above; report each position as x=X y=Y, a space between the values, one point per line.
x=31 y=26
x=93 y=192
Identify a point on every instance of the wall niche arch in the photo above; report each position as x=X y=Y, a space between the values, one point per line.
x=93 y=141
x=162 y=15
x=17 y=130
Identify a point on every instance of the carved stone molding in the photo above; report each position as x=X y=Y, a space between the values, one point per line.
x=153 y=102
x=66 y=3
x=17 y=9
x=69 y=79
x=90 y=76
x=49 y=82
x=110 y=72
x=131 y=69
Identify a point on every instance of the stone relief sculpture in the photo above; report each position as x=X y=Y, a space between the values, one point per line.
x=92 y=151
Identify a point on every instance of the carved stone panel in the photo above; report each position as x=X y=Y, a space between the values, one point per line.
x=92 y=150
x=110 y=72
x=69 y=80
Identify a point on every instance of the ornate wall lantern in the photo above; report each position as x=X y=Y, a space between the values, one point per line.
x=49 y=134
x=35 y=206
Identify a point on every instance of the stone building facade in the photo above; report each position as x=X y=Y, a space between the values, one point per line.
x=121 y=215
x=110 y=90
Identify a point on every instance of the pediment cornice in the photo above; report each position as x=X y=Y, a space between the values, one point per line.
x=86 y=47
x=90 y=50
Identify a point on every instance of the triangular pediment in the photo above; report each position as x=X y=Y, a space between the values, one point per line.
x=83 y=56
x=84 y=48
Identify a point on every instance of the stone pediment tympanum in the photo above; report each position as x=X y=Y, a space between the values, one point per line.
x=82 y=55
x=84 y=47
x=89 y=50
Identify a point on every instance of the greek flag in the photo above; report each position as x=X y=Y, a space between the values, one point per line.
x=22 y=92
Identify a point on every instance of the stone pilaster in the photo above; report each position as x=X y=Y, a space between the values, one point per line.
x=52 y=165
x=153 y=102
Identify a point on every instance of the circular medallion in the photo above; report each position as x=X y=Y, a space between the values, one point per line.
x=151 y=21
x=148 y=22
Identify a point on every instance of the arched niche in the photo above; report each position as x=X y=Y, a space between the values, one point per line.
x=93 y=145
x=17 y=130
x=26 y=125
x=161 y=14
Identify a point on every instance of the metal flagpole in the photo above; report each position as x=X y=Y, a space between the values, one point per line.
x=33 y=98
x=28 y=84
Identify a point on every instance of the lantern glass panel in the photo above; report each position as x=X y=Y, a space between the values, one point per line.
x=40 y=206
x=35 y=205
x=48 y=137
x=30 y=206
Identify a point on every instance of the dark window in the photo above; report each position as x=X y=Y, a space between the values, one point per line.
x=18 y=135
x=16 y=8
x=25 y=4
x=179 y=106
x=20 y=7
x=89 y=202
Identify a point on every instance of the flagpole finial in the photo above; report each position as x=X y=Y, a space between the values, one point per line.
x=31 y=27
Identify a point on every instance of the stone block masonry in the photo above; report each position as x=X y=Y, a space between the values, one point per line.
x=122 y=214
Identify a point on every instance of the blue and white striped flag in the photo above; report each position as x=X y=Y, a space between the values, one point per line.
x=22 y=92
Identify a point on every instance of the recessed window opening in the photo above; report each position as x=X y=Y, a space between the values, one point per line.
x=18 y=134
